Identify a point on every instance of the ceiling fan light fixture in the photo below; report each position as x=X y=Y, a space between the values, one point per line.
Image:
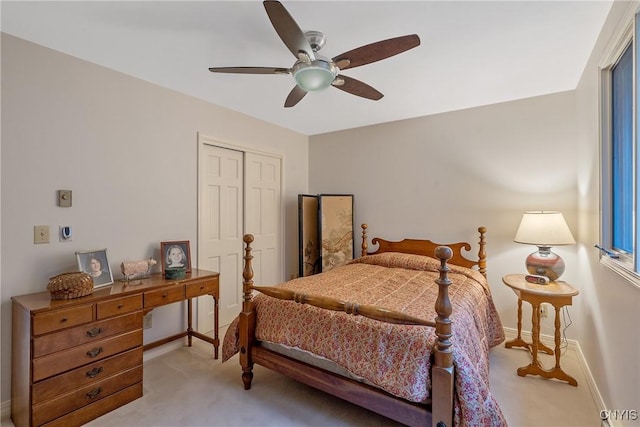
x=315 y=75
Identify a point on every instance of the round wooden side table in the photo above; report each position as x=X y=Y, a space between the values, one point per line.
x=558 y=294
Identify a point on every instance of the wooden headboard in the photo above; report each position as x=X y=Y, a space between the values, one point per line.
x=427 y=247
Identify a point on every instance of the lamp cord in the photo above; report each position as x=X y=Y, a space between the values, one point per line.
x=566 y=319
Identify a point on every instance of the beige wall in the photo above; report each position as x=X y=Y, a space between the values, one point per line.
x=608 y=323
x=128 y=150
x=441 y=177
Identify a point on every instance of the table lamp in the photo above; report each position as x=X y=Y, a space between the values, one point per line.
x=544 y=229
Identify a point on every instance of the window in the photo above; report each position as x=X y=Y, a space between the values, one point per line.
x=619 y=123
x=622 y=152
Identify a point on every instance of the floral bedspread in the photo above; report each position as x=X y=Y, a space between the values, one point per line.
x=395 y=358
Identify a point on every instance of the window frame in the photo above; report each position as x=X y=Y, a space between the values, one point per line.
x=626 y=265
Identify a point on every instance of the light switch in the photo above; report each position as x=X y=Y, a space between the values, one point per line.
x=64 y=198
x=40 y=234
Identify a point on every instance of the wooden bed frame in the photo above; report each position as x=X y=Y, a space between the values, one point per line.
x=439 y=411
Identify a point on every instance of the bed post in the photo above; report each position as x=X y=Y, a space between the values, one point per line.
x=442 y=369
x=364 y=239
x=247 y=319
x=482 y=253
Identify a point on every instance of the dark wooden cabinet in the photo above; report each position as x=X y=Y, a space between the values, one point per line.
x=74 y=360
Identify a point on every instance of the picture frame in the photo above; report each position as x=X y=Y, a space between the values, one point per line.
x=308 y=235
x=96 y=264
x=336 y=229
x=175 y=254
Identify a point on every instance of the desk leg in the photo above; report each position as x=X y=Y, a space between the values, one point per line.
x=215 y=341
x=518 y=341
x=216 y=325
x=189 y=322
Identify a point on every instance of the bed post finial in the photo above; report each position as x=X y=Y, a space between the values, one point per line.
x=444 y=355
x=364 y=239
x=482 y=253
x=247 y=273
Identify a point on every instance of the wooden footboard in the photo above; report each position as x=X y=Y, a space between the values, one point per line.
x=438 y=413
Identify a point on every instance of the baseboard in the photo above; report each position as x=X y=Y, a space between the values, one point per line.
x=160 y=350
x=574 y=346
x=5 y=410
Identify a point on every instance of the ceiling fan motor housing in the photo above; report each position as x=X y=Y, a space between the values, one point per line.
x=315 y=75
x=316 y=39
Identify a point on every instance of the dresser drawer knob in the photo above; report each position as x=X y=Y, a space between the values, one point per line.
x=120 y=306
x=94 y=352
x=94 y=393
x=165 y=294
x=94 y=332
x=94 y=372
x=64 y=319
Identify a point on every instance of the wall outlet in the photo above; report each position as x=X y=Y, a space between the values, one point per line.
x=147 y=322
x=544 y=310
x=40 y=234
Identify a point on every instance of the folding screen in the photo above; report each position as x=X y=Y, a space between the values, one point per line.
x=327 y=219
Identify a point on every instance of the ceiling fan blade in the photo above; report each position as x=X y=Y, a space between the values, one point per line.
x=376 y=51
x=295 y=96
x=250 y=70
x=356 y=87
x=288 y=30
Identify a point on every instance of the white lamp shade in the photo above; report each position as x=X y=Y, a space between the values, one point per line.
x=544 y=228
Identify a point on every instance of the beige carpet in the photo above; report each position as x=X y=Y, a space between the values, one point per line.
x=186 y=387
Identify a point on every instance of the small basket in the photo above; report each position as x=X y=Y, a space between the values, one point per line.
x=70 y=285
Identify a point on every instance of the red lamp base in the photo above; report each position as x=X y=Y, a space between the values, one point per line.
x=543 y=262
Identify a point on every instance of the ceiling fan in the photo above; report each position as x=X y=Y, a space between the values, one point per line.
x=313 y=72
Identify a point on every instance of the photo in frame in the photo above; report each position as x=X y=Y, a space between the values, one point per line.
x=308 y=235
x=175 y=254
x=96 y=264
x=336 y=229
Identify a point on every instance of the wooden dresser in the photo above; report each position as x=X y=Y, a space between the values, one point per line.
x=74 y=360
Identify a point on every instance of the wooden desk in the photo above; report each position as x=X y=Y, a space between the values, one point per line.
x=557 y=294
x=74 y=360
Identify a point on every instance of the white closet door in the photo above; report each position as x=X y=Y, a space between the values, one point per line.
x=220 y=229
x=263 y=215
x=238 y=192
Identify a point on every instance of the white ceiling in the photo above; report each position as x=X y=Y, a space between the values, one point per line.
x=472 y=53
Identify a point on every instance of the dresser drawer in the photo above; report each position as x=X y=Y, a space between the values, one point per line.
x=101 y=407
x=62 y=361
x=61 y=319
x=83 y=396
x=201 y=287
x=163 y=296
x=80 y=377
x=90 y=332
x=118 y=306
